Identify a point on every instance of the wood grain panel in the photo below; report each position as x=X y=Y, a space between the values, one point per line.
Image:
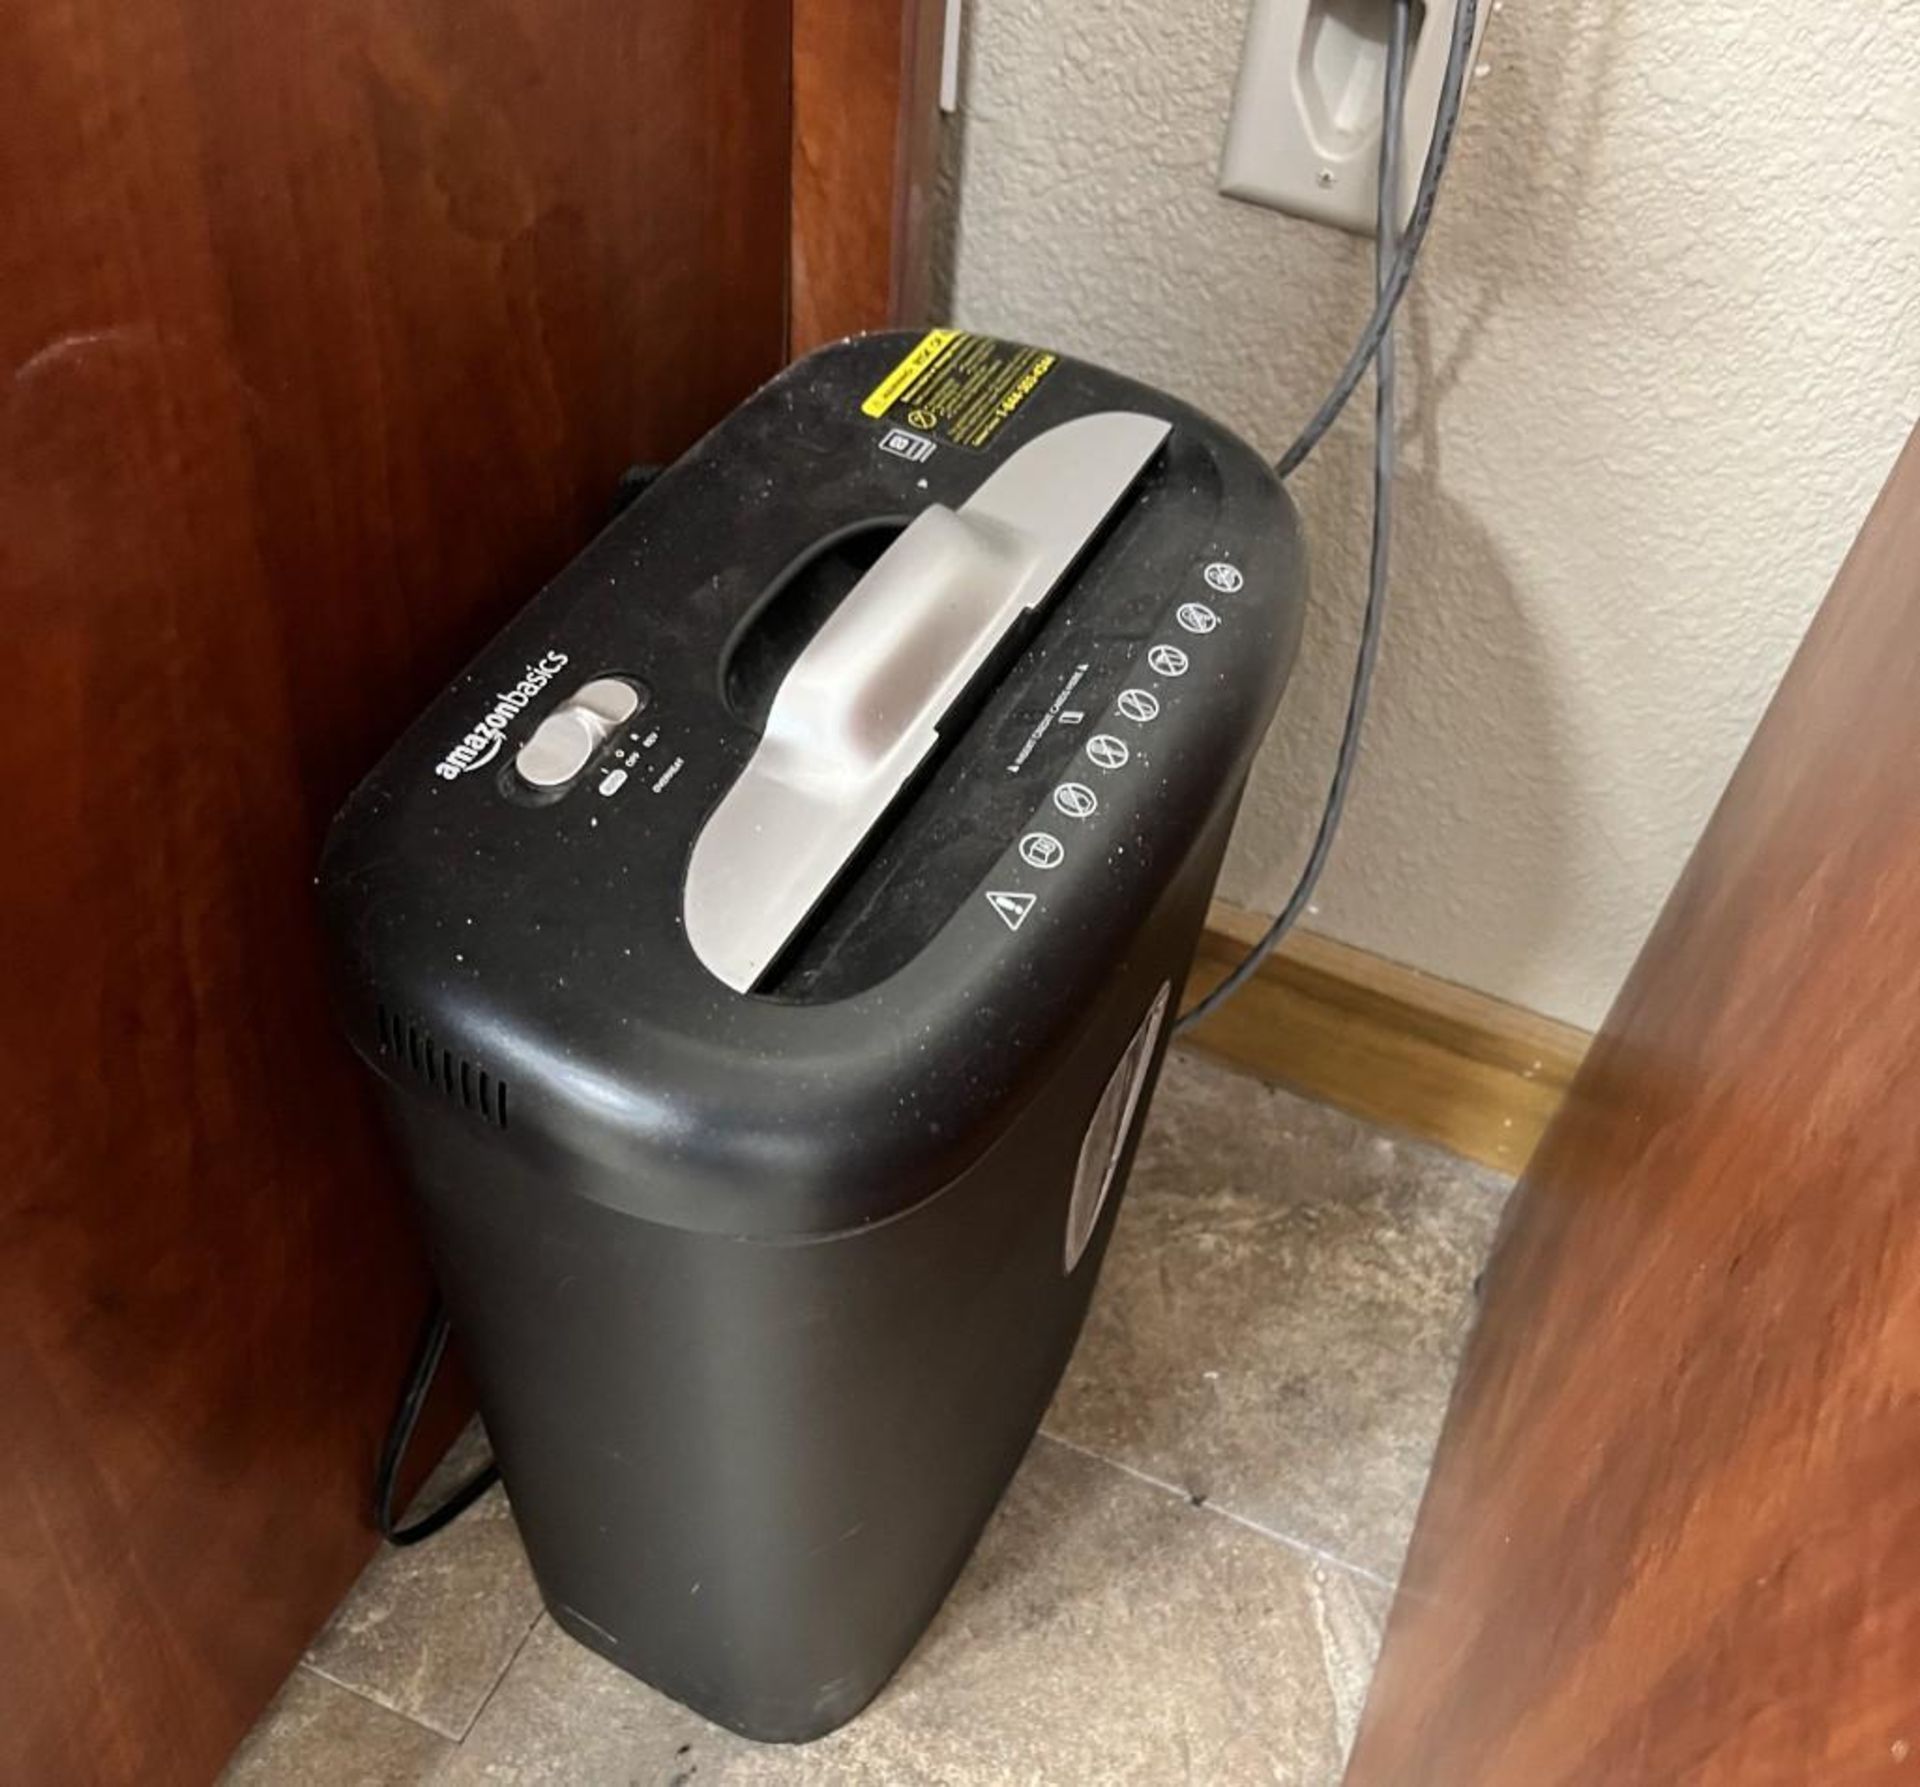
x=327 y=330
x=865 y=134
x=1673 y=1534
x=1385 y=1041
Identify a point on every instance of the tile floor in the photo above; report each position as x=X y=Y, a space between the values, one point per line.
x=1184 y=1584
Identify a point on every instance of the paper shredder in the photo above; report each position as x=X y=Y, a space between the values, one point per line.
x=766 y=947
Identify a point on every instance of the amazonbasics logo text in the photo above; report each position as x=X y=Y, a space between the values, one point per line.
x=482 y=744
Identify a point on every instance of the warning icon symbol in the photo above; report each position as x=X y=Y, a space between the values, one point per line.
x=1012 y=907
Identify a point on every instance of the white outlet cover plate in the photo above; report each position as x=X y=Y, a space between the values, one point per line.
x=1304 y=134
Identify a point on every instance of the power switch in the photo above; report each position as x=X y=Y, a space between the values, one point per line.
x=563 y=744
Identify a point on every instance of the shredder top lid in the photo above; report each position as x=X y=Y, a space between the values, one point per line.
x=767 y=861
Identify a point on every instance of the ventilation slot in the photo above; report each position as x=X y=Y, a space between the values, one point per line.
x=454 y=1077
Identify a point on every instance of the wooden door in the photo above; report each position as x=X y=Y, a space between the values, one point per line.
x=865 y=135
x=327 y=331
x=1673 y=1533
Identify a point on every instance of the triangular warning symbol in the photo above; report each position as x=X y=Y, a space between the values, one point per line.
x=1012 y=907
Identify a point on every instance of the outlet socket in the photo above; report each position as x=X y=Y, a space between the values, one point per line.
x=1304 y=135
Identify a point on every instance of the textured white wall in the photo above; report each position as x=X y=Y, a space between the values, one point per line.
x=1663 y=347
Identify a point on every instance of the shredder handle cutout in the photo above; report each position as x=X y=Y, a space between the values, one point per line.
x=857 y=712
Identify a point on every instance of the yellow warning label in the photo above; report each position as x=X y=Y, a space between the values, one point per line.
x=959 y=387
x=880 y=399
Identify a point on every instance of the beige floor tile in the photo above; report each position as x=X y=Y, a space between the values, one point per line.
x=1281 y=1312
x=1105 y=1632
x=429 y=1629
x=317 y=1734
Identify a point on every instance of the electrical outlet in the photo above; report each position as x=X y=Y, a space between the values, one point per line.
x=1304 y=136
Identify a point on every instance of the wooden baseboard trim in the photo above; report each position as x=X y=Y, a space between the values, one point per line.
x=1387 y=1042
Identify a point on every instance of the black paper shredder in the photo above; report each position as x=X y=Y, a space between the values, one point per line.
x=767 y=946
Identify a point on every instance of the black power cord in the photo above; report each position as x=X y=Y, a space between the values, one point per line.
x=1393 y=268
x=420 y=1376
x=1453 y=87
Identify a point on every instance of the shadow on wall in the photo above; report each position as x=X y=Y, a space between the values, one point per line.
x=1465 y=836
x=949 y=170
x=1525 y=210
x=1465 y=735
